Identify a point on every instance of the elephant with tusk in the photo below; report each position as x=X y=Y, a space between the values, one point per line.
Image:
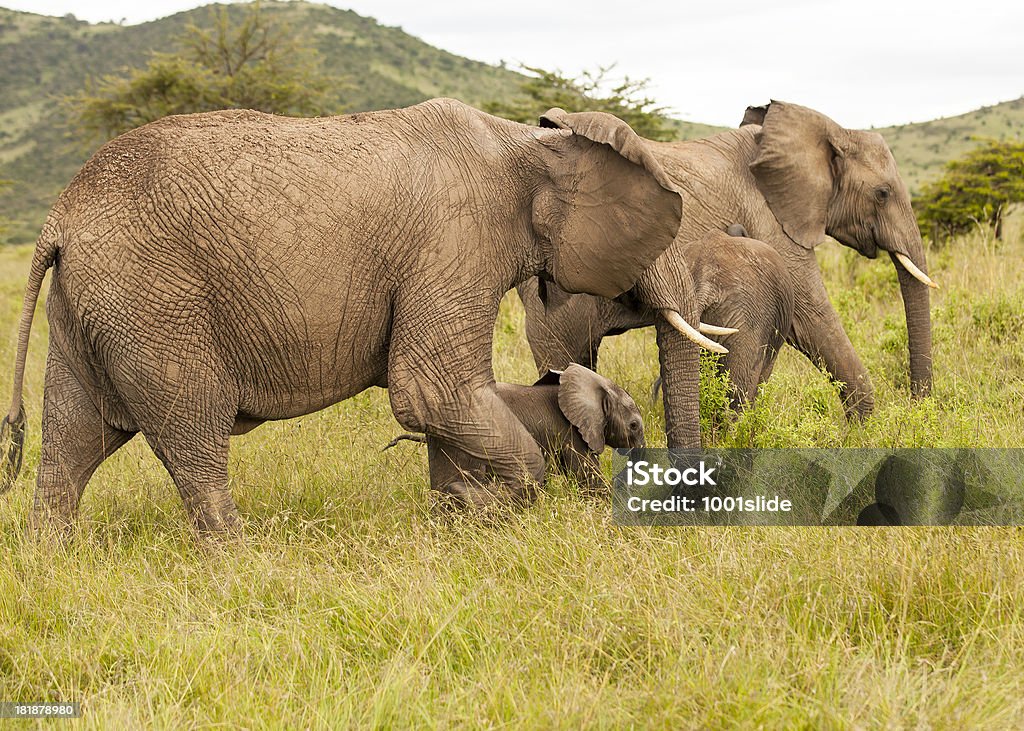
x=215 y=271
x=789 y=176
x=742 y=282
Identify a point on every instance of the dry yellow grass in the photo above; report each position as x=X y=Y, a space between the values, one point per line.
x=349 y=605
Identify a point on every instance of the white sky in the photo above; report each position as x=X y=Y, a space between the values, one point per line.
x=862 y=62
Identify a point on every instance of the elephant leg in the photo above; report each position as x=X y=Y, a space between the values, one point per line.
x=819 y=334
x=744 y=364
x=570 y=331
x=188 y=423
x=487 y=430
x=465 y=424
x=770 y=355
x=456 y=475
x=75 y=441
x=440 y=383
x=199 y=469
x=585 y=469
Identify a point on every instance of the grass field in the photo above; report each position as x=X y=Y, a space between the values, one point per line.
x=348 y=604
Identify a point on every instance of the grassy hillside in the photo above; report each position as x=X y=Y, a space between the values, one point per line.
x=349 y=605
x=693 y=130
x=922 y=149
x=44 y=58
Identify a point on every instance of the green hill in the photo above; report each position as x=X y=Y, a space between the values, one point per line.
x=45 y=58
x=922 y=149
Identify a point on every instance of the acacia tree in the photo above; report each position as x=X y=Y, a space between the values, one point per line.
x=977 y=188
x=591 y=91
x=252 y=64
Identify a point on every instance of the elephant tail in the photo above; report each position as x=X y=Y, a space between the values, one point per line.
x=409 y=437
x=12 y=429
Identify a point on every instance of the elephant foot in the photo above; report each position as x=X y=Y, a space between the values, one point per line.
x=220 y=545
x=596 y=490
x=485 y=500
x=858 y=407
x=219 y=526
x=49 y=530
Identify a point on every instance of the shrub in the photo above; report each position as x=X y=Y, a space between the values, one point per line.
x=976 y=189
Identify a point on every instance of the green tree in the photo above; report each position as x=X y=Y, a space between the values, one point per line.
x=592 y=92
x=251 y=64
x=977 y=188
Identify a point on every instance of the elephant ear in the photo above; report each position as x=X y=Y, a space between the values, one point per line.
x=754 y=115
x=610 y=209
x=795 y=168
x=550 y=378
x=581 y=397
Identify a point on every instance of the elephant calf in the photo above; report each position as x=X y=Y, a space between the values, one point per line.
x=742 y=283
x=572 y=415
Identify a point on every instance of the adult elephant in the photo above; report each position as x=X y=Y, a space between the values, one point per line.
x=215 y=271
x=789 y=176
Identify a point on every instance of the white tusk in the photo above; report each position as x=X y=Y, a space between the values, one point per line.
x=676 y=320
x=915 y=272
x=716 y=330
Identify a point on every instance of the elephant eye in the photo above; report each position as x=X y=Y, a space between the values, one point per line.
x=882 y=195
x=634 y=426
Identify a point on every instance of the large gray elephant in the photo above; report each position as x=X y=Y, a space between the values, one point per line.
x=215 y=271
x=789 y=176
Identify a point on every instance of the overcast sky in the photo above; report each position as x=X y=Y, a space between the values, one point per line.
x=862 y=62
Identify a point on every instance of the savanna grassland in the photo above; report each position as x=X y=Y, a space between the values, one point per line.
x=349 y=604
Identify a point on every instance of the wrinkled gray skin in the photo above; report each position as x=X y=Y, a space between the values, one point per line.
x=742 y=283
x=789 y=176
x=215 y=271
x=571 y=415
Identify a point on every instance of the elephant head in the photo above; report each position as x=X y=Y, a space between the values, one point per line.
x=663 y=287
x=602 y=412
x=820 y=178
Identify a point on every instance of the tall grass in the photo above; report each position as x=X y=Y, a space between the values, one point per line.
x=348 y=604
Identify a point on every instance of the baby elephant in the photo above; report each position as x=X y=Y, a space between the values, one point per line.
x=572 y=415
x=742 y=283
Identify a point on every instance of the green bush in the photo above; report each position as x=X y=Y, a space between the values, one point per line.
x=978 y=188
x=715 y=408
x=255 y=64
x=590 y=92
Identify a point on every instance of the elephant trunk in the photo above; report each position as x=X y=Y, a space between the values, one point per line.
x=679 y=359
x=919 y=329
x=902 y=239
x=667 y=289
